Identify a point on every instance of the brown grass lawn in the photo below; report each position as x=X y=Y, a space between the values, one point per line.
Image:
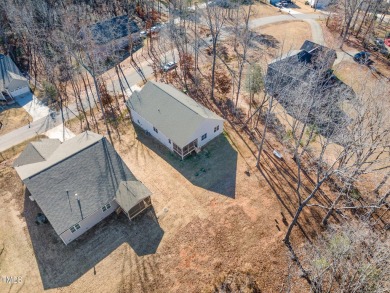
x=263 y=10
x=290 y=35
x=212 y=214
x=12 y=118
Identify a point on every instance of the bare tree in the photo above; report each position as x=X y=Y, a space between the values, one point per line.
x=348 y=258
x=215 y=19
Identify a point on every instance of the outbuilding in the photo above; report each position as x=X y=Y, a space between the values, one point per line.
x=173 y=118
x=79 y=182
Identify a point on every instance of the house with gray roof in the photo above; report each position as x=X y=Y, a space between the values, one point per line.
x=79 y=182
x=308 y=73
x=12 y=81
x=111 y=40
x=173 y=118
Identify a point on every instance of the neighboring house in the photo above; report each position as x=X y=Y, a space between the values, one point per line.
x=112 y=35
x=320 y=4
x=176 y=120
x=12 y=81
x=284 y=75
x=309 y=72
x=79 y=182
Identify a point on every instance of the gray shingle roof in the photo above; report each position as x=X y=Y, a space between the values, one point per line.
x=87 y=165
x=172 y=112
x=306 y=75
x=8 y=72
x=130 y=193
x=37 y=151
x=112 y=29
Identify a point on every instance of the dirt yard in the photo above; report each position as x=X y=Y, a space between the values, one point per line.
x=212 y=214
x=289 y=35
x=12 y=118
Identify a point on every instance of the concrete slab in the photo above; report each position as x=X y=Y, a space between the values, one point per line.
x=60 y=132
x=33 y=106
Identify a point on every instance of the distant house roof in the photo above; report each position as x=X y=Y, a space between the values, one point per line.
x=312 y=60
x=130 y=193
x=170 y=111
x=8 y=72
x=86 y=164
x=112 y=29
x=308 y=73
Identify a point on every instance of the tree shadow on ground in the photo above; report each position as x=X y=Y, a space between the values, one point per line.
x=60 y=265
x=214 y=168
x=266 y=40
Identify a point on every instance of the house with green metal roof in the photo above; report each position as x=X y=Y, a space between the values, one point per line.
x=79 y=182
x=173 y=118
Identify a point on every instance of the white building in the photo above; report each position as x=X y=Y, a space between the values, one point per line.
x=12 y=81
x=176 y=120
x=319 y=4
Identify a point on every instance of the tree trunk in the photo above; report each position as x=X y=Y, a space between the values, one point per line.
x=383 y=182
x=286 y=239
x=265 y=131
x=213 y=68
x=331 y=210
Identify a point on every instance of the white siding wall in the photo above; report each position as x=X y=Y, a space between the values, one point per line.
x=320 y=3
x=137 y=119
x=19 y=91
x=208 y=127
x=88 y=223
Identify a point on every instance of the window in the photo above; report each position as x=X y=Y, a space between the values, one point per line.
x=204 y=136
x=155 y=129
x=74 y=228
x=106 y=207
x=216 y=128
x=139 y=122
x=169 y=141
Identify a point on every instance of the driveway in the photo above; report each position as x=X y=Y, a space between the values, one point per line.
x=33 y=106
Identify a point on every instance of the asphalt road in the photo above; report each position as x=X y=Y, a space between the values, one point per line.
x=42 y=125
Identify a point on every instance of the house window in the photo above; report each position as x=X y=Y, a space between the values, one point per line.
x=204 y=136
x=106 y=207
x=155 y=129
x=216 y=128
x=74 y=228
x=169 y=141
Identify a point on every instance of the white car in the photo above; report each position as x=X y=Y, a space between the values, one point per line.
x=143 y=34
x=169 y=66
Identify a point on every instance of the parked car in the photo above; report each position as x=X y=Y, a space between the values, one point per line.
x=363 y=58
x=284 y=3
x=155 y=29
x=169 y=66
x=379 y=42
x=279 y=5
x=143 y=34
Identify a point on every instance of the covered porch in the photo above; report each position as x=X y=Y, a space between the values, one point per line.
x=183 y=152
x=133 y=198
